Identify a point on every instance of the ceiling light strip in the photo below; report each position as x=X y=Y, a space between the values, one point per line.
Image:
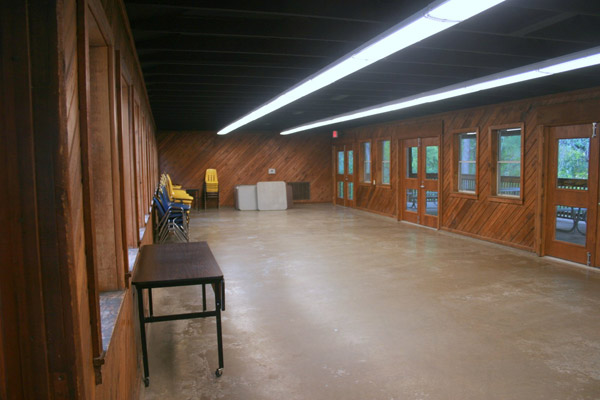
x=438 y=16
x=553 y=66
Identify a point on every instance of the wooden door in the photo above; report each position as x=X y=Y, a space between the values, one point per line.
x=572 y=193
x=419 y=199
x=344 y=190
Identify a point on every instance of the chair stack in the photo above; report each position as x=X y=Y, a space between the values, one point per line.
x=172 y=211
x=175 y=192
x=211 y=186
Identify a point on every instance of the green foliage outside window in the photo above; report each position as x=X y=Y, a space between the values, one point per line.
x=431 y=159
x=573 y=158
x=385 y=162
x=350 y=162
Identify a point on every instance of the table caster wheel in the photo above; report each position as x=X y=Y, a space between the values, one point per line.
x=146 y=382
x=219 y=372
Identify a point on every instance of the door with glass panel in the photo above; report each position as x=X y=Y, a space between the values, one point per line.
x=572 y=193
x=420 y=176
x=344 y=175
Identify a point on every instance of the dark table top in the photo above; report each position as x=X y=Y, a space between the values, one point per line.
x=175 y=264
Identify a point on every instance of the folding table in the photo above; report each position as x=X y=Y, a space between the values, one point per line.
x=178 y=264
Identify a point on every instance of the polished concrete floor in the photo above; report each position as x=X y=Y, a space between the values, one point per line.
x=331 y=303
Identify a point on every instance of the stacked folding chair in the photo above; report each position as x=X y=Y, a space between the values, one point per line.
x=211 y=186
x=175 y=192
x=172 y=212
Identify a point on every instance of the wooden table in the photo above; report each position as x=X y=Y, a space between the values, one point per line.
x=178 y=264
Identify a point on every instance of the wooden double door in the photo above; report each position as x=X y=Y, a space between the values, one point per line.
x=345 y=170
x=420 y=189
x=572 y=194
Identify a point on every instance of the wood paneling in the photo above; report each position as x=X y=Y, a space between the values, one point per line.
x=103 y=177
x=245 y=158
x=46 y=328
x=504 y=223
x=121 y=375
x=22 y=327
x=517 y=224
x=377 y=198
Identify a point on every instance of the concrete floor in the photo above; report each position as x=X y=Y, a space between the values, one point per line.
x=331 y=303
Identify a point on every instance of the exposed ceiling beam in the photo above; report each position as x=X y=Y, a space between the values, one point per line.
x=251 y=60
x=305 y=29
x=279 y=47
x=583 y=7
x=341 y=10
x=524 y=31
x=483 y=43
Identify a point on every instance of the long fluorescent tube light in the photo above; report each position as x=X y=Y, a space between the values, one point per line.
x=553 y=66
x=438 y=16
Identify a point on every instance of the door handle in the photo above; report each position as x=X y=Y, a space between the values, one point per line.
x=422 y=186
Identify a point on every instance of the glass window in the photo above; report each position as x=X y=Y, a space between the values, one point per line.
x=467 y=162
x=508 y=161
x=365 y=152
x=385 y=151
x=350 y=162
x=412 y=197
x=340 y=161
x=431 y=162
x=412 y=162
x=431 y=199
x=571 y=224
x=340 y=191
x=350 y=191
x=573 y=163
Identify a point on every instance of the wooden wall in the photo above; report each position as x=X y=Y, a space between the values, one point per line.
x=243 y=158
x=48 y=297
x=506 y=223
x=377 y=198
x=22 y=328
x=514 y=224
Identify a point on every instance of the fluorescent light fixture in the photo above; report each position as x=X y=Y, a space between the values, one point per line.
x=553 y=66
x=438 y=16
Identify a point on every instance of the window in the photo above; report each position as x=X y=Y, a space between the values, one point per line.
x=412 y=162
x=465 y=162
x=365 y=159
x=384 y=156
x=350 y=162
x=340 y=163
x=506 y=168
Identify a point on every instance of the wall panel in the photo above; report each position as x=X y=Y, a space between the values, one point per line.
x=517 y=225
x=244 y=158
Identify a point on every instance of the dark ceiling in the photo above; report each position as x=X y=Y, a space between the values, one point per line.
x=207 y=64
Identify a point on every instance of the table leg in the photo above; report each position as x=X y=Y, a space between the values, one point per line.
x=150 y=307
x=203 y=297
x=223 y=295
x=140 y=293
x=218 y=292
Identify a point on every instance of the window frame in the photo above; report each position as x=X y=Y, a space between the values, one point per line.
x=379 y=160
x=493 y=144
x=361 y=172
x=455 y=163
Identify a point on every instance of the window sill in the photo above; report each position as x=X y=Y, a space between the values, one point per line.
x=132 y=254
x=506 y=200
x=110 y=305
x=465 y=195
